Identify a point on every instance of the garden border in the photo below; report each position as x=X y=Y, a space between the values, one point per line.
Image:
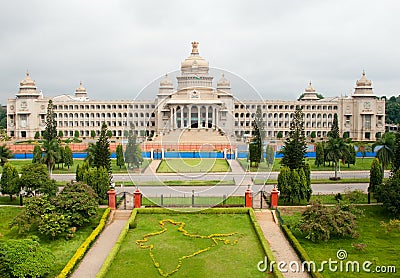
x=131 y=225
x=301 y=252
x=84 y=247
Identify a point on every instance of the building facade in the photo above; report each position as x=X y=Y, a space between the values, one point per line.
x=195 y=103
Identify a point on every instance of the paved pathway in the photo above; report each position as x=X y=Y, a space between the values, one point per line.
x=281 y=248
x=94 y=258
x=152 y=168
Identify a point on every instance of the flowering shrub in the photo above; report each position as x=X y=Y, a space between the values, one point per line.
x=181 y=228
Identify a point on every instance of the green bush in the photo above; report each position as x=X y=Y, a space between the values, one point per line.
x=24 y=258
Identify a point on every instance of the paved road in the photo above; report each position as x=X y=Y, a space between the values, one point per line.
x=220 y=190
x=218 y=176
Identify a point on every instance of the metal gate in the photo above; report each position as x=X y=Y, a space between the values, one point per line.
x=124 y=200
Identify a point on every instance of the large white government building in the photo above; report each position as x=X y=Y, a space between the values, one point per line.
x=195 y=103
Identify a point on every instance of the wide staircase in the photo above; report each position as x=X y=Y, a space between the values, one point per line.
x=192 y=136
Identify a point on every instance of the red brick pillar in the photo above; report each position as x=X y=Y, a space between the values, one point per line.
x=274 y=198
x=111 y=198
x=248 y=196
x=137 y=198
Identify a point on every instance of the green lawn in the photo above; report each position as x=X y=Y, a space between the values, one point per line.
x=239 y=260
x=361 y=164
x=62 y=249
x=5 y=200
x=19 y=163
x=193 y=165
x=381 y=249
x=198 y=201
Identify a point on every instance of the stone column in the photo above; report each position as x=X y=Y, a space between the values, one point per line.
x=207 y=119
x=189 y=116
x=198 y=117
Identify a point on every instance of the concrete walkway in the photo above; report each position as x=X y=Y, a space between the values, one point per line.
x=152 y=168
x=95 y=257
x=281 y=248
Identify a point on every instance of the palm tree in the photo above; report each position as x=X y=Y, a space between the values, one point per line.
x=91 y=150
x=336 y=149
x=385 y=153
x=51 y=151
x=5 y=154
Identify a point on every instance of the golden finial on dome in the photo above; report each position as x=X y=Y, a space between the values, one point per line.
x=195 y=49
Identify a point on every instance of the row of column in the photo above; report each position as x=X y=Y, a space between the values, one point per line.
x=175 y=111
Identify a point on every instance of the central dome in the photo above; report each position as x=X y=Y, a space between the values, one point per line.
x=194 y=63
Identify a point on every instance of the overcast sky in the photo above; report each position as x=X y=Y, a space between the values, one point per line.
x=117 y=47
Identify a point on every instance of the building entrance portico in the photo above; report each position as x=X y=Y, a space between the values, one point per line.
x=194 y=116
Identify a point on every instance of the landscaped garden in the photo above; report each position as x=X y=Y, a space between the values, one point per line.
x=193 y=165
x=372 y=244
x=62 y=248
x=162 y=243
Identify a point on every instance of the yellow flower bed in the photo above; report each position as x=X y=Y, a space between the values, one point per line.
x=214 y=237
x=80 y=252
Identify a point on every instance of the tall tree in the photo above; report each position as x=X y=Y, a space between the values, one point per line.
x=50 y=132
x=256 y=150
x=51 y=151
x=90 y=154
x=102 y=152
x=5 y=154
x=61 y=157
x=270 y=155
x=68 y=159
x=133 y=153
x=334 y=133
x=294 y=148
x=34 y=177
x=385 y=153
x=9 y=183
x=99 y=180
x=319 y=155
x=37 y=154
x=120 y=156
x=350 y=157
x=336 y=149
x=396 y=152
x=375 y=176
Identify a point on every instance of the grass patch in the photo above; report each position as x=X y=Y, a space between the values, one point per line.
x=198 y=201
x=193 y=165
x=5 y=200
x=19 y=163
x=62 y=249
x=381 y=249
x=220 y=261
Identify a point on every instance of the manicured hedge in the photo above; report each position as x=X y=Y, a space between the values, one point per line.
x=299 y=249
x=113 y=253
x=81 y=251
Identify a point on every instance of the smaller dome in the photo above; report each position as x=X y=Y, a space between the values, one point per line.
x=166 y=82
x=80 y=89
x=310 y=88
x=28 y=81
x=364 y=82
x=223 y=82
